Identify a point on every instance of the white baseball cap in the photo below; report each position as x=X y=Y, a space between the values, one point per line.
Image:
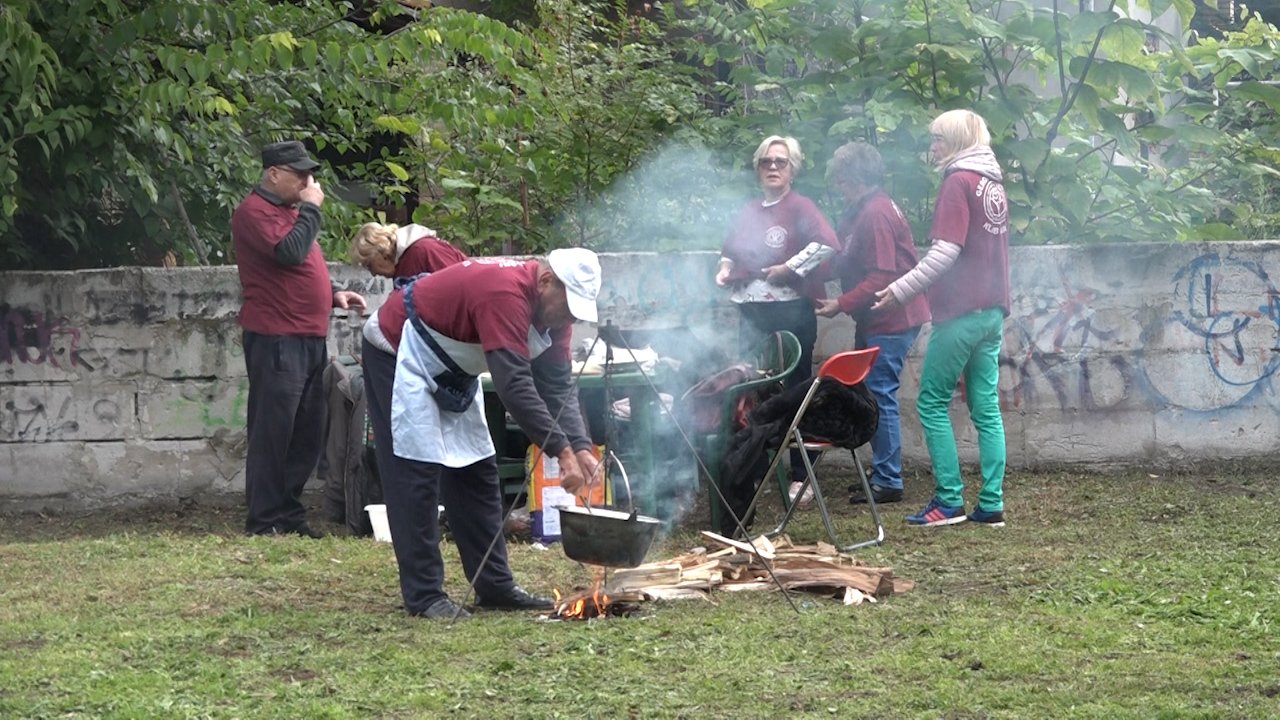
x=579 y=270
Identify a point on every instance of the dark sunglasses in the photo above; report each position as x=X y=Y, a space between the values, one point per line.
x=772 y=163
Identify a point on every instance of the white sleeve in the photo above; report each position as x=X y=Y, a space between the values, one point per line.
x=941 y=256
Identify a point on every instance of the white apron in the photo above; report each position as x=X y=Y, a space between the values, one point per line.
x=420 y=430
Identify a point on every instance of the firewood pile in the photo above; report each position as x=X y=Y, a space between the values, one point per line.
x=739 y=566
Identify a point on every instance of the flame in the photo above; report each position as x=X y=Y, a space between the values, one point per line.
x=584 y=605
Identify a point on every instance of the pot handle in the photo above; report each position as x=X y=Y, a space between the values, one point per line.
x=626 y=482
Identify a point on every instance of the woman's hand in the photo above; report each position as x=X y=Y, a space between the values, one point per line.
x=779 y=275
x=828 y=308
x=885 y=300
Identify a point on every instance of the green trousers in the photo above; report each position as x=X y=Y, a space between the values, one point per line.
x=967 y=346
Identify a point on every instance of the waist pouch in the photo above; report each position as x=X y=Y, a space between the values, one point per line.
x=455 y=389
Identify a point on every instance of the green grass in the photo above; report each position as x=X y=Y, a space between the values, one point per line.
x=1105 y=597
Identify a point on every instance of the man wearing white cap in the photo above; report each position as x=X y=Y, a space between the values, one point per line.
x=423 y=351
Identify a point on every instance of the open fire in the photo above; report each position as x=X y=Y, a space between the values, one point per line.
x=593 y=603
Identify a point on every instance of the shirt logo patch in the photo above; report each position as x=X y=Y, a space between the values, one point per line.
x=996 y=206
x=775 y=237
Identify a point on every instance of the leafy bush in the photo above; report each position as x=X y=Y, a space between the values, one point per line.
x=130 y=130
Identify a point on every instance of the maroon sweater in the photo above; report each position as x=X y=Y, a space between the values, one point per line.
x=877 y=250
x=280 y=298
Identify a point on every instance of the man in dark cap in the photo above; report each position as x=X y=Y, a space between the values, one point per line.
x=288 y=296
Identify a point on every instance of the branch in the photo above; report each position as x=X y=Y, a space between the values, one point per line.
x=1180 y=188
x=1057 y=36
x=933 y=60
x=991 y=61
x=1102 y=182
x=197 y=244
x=1067 y=103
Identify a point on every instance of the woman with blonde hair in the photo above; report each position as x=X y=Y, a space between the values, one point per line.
x=773 y=263
x=966 y=276
x=401 y=252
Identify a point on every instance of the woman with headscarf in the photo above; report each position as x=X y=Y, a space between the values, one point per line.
x=772 y=260
x=966 y=274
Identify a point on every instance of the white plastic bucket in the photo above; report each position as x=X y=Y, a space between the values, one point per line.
x=378 y=519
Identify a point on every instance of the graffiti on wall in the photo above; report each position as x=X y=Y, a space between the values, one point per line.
x=34 y=419
x=1208 y=344
x=34 y=338
x=1229 y=308
x=1054 y=348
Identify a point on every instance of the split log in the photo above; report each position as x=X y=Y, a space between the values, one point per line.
x=748 y=585
x=638 y=578
x=703 y=571
x=677 y=593
x=834 y=577
x=760 y=547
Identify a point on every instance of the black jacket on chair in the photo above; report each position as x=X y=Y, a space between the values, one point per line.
x=842 y=415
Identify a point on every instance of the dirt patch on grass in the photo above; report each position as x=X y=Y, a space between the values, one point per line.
x=293 y=675
x=22 y=645
x=215 y=514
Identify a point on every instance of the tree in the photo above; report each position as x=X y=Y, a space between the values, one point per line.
x=1105 y=138
x=131 y=129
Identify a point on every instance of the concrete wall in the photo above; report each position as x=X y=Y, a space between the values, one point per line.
x=128 y=384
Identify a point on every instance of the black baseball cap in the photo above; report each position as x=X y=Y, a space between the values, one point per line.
x=291 y=154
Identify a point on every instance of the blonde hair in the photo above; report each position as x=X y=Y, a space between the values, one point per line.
x=373 y=240
x=960 y=130
x=793 y=150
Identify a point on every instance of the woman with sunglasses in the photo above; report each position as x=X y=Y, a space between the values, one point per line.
x=773 y=263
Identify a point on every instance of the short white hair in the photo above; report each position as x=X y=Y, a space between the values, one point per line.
x=793 y=150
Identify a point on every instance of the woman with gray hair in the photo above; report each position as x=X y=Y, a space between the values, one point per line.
x=966 y=274
x=876 y=250
x=772 y=262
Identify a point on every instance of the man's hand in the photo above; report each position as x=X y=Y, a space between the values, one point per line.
x=828 y=308
x=345 y=299
x=885 y=300
x=779 y=274
x=312 y=193
x=571 y=477
x=589 y=465
x=722 y=275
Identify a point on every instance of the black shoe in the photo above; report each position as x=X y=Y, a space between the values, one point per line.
x=517 y=598
x=306 y=531
x=882 y=495
x=443 y=609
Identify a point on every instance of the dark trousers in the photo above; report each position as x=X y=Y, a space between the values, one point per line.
x=285 y=427
x=414 y=490
x=761 y=319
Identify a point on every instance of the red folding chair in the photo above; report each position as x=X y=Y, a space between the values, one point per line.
x=848 y=368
